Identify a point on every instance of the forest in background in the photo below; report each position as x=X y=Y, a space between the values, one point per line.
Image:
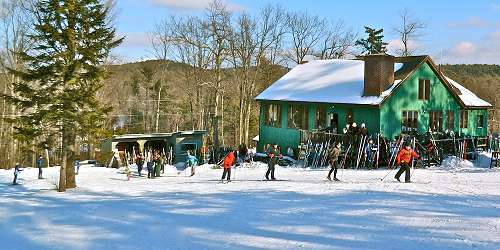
x=484 y=81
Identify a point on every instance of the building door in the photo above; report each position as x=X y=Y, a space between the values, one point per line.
x=334 y=123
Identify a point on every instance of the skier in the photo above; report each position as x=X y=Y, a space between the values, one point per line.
x=404 y=158
x=17 y=170
x=334 y=157
x=157 y=162
x=150 y=165
x=139 y=160
x=274 y=156
x=163 y=160
x=77 y=165
x=39 y=165
x=228 y=161
x=191 y=162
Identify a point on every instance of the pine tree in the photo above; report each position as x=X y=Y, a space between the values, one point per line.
x=374 y=43
x=56 y=94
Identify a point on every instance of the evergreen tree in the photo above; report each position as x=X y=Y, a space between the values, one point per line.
x=374 y=43
x=56 y=93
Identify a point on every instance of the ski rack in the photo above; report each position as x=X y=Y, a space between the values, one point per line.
x=432 y=147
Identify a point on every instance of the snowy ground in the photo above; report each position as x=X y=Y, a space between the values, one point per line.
x=452 y=207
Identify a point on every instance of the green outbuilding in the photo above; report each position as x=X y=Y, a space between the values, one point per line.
x=389 y=95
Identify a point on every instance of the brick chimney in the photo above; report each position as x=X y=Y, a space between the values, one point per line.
x=379 y=74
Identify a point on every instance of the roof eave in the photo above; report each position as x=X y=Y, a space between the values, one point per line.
x=333 y=103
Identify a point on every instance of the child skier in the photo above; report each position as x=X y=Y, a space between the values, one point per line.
x=334 y=157
x=228 y=162
x=17 y=170
x=274 y=156
x=191 y=162
x=404 y=159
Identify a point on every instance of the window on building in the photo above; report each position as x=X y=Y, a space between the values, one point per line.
x=450 y=120
x=464 y=118
x=436 y=120
x=349 y=117
x=297 y=117
x=424 y=89
x=480 y=121
x=409 y=121
x=320 y=118
x=272 y=115
x=188 y=147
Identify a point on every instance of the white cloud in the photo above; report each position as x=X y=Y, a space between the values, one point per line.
x=193 y=4
x=485 y=51
x=471 y=22
x=395 y=46
x=464 y=48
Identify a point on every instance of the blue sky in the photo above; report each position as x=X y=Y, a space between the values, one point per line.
x=457 y=31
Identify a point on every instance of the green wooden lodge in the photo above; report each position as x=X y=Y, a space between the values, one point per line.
x=390 y=95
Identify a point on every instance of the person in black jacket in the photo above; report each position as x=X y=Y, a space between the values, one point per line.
x=139 y=160
x=39 y=165
x=17 y=170
x=274 y=156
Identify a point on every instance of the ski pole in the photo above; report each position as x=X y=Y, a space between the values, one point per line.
x=386 y=175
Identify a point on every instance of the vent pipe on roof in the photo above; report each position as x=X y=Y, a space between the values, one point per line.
x=379 y=74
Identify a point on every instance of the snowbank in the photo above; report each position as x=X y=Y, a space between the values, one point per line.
x=456 y=164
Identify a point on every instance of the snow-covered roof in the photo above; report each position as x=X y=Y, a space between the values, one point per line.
x=342 y=81
x=328 y=81
x=467 y=97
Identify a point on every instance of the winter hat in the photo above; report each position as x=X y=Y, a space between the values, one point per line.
x=354 y=125
x=362 y=125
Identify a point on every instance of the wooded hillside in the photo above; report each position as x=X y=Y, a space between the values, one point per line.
x=484 y=81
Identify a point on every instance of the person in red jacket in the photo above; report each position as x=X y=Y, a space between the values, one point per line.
x=227 y=163
x=404 y=158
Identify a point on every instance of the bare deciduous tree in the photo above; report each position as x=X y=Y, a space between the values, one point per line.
x=337 y=41
x=305 y=30
x=409 y=31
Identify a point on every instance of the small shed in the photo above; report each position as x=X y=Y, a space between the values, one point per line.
x=178 y=142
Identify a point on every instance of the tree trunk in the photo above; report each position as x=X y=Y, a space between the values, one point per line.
x=247 y=121
x=70 y=159
x=62 y=172
x=241 y=111
x=158 y=111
